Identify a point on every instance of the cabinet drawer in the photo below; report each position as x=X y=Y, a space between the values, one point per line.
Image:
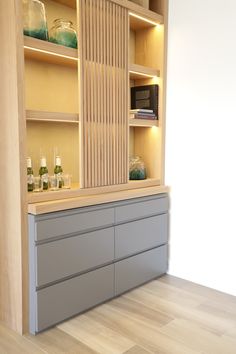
x=64 y=225
x=61 y=301
x=141 y=209
x=137 y=236
x=139 y=269
x=62 y=258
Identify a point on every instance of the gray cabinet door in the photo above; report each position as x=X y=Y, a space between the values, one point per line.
x=139 y=269
x=141 y=209
x=75 y=223
x=62 y=258
x=137 y=236
x=61 y=301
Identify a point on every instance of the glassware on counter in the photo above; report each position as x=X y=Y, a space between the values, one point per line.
x=35 y=23
x=53 y=183
x=66 y=181
x=63 y=33
x=38 y=184
x=137 y=169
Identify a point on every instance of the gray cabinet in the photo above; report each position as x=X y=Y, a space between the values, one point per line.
x=82 y=257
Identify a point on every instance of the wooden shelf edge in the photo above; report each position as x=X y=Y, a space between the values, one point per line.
x=37 y=49
x=141 y=72
x=77 y=192
x=88 y=200
x=148 y=123
x=43 y=116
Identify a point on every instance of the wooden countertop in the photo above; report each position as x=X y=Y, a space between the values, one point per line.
x=82 y=201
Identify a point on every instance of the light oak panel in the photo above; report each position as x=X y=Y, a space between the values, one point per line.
x=51 y=88
x=13 y=215
x=87 y=200
x=52 y=116
x=104 y=102
x=36 y=49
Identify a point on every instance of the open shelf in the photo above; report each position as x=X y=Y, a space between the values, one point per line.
x=142 y=72
x=37 y=49
x=145 y=123
x=75 y=191
x=148 y=18
x=52 y=116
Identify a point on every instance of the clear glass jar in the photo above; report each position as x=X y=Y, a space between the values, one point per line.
x=35 y=23
x=63 y=33
x=137 y=169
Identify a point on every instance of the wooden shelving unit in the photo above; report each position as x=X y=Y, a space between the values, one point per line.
x=95 y=135
x=44 y=51
x=52 y=117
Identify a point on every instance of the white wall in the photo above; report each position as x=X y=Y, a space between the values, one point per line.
x=201 y=141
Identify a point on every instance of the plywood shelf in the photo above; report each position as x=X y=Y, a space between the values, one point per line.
x=37 y=49
x=142 y=72
x=59 y=117
x=82 y=200
x=145 y=123
x=76 y=191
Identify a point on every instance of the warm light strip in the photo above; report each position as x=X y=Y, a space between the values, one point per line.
x=50 y=53
x=142 y=74
x=144 y=19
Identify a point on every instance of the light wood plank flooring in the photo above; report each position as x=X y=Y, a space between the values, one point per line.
x=166 y=316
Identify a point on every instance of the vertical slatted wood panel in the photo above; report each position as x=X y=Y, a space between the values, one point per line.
x=103 y=51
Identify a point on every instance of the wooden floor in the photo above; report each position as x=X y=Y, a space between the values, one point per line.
x=165 y=316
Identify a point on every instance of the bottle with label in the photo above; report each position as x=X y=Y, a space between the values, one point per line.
x=58 y=171
x=30 y=175
x=43 y=172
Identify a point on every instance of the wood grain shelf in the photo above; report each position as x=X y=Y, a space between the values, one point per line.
x=37 y=49
x=145 y=123
x=133 y=190
x=137 y=72
x=76 y=191
x=59 y=117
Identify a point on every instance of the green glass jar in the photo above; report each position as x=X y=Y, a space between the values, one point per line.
x=137 y=169
x=63 y=33
x=35 y=24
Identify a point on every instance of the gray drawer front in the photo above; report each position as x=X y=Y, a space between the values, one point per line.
x=140 y=235
x=141 y=209
x=69 y=224
x=62 y=258
x=139 y=269
x=61 y=301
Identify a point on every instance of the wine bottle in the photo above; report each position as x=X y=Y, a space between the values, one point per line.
x=58 y=171
x=30 y=175
x=43 y=172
